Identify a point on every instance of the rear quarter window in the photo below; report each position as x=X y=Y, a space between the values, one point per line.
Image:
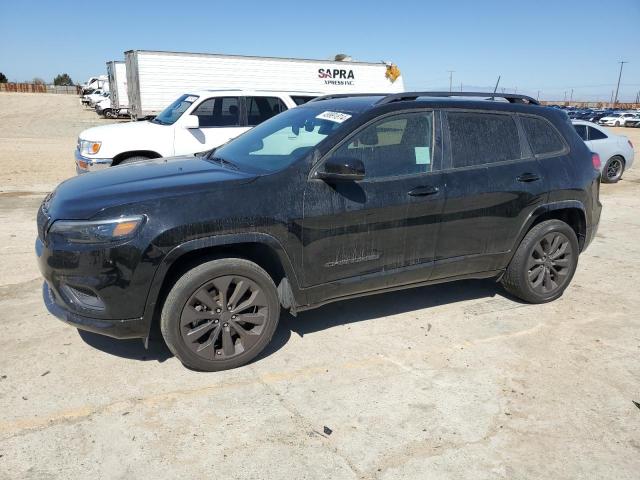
x=543 y=137
x=482 y=138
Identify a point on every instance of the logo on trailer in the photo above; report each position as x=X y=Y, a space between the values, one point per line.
x=336 y=76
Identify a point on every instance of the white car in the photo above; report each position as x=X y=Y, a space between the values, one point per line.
x=616 y=119
x=615 y=151
x=193 y=123
x=95 y=97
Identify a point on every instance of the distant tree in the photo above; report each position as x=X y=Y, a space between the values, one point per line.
x=63 y=79
x=37 y=81
x=3 y=78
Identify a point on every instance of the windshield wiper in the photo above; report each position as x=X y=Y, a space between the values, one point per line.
x=223 y=162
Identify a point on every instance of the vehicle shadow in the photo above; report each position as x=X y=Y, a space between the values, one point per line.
x=379 y=306
x=373 y=307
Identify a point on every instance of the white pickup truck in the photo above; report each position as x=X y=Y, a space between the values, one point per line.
x=193 y=123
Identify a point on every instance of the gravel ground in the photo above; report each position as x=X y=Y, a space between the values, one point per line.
x=450 y=381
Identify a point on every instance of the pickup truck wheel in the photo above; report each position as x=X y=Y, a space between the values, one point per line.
x=613 y=170
x=544 y=263
x=137 y=158
x=220 y=315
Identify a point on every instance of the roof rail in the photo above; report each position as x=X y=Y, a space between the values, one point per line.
x=346 y=95
x=510 y=97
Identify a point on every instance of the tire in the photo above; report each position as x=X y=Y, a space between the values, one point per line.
x=617 y=124
x=108 y=113
x=613 y=169
x=527 y=267
x=137 y=158
x=204 y=335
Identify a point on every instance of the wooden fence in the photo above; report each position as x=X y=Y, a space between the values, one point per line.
x=39 y=88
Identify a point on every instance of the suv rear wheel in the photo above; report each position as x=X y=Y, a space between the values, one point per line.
x=544 y=263
x=220 y=314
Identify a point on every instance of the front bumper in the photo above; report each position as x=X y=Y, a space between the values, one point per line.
x=85 y=164
x=123 y=329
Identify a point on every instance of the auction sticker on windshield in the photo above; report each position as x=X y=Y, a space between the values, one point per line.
x=337 y=117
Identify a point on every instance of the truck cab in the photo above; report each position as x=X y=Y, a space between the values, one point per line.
x=195 y=122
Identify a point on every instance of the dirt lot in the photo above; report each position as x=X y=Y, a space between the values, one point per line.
x=452 y=381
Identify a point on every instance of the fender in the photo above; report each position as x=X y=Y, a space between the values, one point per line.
x=217 y=241
x=541 y=210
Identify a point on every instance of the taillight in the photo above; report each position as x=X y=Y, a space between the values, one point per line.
x=595 y=159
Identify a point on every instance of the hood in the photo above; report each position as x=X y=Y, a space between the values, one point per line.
x=105 y=132
x=82 y=197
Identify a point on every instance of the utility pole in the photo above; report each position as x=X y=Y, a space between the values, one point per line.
x=571 y=98
x=450 y=79
x=538 y=96
x=460 y=86
x=564 y=99
x=615 y=99
x=611 y=101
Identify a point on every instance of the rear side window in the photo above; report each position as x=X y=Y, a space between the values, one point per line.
x=482 y=138
x=260 y=109
x=543 y=138
x=218 y=112
x=595 y=134
x=582 y=131
x=300 y=99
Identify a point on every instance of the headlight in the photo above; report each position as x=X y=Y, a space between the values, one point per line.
x=89 y=148
x=101 y=231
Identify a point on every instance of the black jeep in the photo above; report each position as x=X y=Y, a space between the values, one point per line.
x=341 y=197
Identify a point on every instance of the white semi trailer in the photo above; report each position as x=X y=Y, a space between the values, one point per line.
x=119 y=98
x=155 y=79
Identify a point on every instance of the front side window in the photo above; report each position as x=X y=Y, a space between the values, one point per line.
x=174 y=111
x=396 y=145
x=595 y=134
x=482 y=138
x=582 y=131
x=218 y=112
x=260 y=109
x=543 y=138
x=283 y=139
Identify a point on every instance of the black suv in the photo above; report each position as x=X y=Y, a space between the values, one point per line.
x=341 y=197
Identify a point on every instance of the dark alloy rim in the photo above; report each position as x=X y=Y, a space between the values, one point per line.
x=550 y=263
x=614 y=169
x=224 y=317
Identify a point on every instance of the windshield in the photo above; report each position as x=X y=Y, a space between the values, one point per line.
x=281 y=140
x=173 y=112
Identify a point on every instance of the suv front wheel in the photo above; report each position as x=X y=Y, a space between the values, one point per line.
x=220 y=315
x=544 y=263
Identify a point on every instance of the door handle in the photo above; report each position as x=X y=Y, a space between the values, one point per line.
x=423 y=190
x=528 y=177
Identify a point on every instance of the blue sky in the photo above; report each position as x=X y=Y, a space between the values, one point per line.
x=551 y=46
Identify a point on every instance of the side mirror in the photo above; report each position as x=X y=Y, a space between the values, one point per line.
x=341 y=169
x=191 y=121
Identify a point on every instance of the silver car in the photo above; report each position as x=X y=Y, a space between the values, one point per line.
x=615 y=151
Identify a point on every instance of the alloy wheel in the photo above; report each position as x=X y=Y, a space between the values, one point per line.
x=614 y=169
x=224 y=317
x=550 y=263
